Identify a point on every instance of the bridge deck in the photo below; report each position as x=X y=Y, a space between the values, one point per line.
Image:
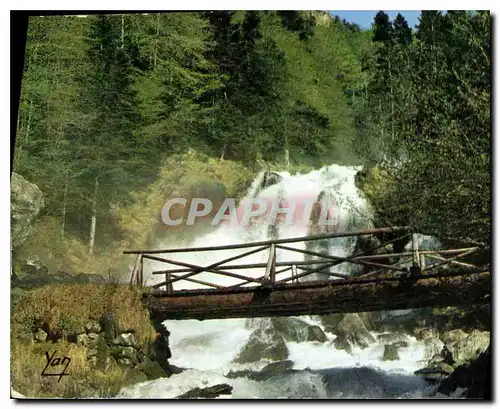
x=317 y=298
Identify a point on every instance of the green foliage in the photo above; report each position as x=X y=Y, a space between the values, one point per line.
x=432 y=97
x=106 y=99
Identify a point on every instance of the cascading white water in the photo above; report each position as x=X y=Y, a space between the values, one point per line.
x=208 y=348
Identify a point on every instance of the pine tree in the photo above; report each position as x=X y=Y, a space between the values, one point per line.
x=402 y=33
x=382 y=28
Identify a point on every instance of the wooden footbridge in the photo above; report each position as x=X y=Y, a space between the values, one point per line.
x=386 y=280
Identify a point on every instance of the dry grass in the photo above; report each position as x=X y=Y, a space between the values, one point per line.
x=67 y=308
x=28 y=361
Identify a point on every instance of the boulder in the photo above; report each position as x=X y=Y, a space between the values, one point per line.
x=401 y=344
x=93 y=339
x=390 y=353
x=453 y=337
x=269 y=179
x=424 y=333
x=152 y=369
x=410 y=321
x=83 y=340
x=315 y=333
x=127 y=355
x=436 y=371
x=352 y=329
x=392 y=337
x=263 y=344
x=342 y=344
x=296 y=330
x=125 y=361
x=127 y=352
x=40 y=336
x=370 y=319
x=291 y=329
x=125 y=340
x=33 y=266
x=475 y=377
x=210 y=392
x=277 y=367
x=26 y=201
x=330 y=321
x=433 y=346
x=465 y=348
x=93 y=326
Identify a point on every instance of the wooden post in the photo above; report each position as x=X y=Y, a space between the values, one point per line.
x=271 y=265
x=133 y=277
x=169 y=287
x=141 y=274
x=415 y=269
x=294 y=273
x=414 y=249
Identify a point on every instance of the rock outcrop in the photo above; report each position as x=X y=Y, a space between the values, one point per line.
x=474 y=377
x=210 y=392
x=26 y=201
x=390 y=353
x=461 y=348
x=269 y=179
x=264 y=343
x=350 y=331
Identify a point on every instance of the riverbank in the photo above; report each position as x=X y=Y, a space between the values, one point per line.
x=82 y=341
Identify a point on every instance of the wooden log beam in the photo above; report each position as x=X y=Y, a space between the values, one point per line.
x=323 y=298
x=366 y=232
x=341 y=260
x=456 y=263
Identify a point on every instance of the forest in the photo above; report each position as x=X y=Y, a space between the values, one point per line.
x=108 y=100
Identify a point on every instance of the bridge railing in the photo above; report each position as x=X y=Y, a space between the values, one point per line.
x=379 y=264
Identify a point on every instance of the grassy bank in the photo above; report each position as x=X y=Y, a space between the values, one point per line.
x=61 y=318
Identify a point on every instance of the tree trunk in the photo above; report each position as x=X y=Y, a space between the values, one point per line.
x=392 y=101
x=25 y=140
x=63 y=216
x=123 y=32
x=155 y=52
x=94 y=218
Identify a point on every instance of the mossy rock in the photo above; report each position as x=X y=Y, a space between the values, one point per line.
x=342 y=344
x=392 y=337
x=354 y=330
x=134 y=376
x=152 y=369
x=296 y=330
x=465 y=348
x=315 y=333
x=331 y=321
x=263 y=344
x=277 y=367
x=390 y=353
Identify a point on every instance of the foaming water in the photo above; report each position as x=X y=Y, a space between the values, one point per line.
x=208 y=348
